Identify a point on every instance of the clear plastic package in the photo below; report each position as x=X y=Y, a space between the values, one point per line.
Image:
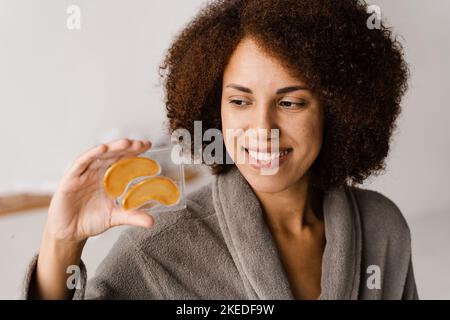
x=151 y=182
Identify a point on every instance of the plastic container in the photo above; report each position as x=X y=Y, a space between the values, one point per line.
x=151 y=181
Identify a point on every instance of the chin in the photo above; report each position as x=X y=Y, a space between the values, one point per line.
x=267 y=183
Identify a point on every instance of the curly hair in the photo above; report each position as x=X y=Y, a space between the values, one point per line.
x=358 y=74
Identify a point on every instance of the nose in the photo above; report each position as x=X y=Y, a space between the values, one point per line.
x=264 y=120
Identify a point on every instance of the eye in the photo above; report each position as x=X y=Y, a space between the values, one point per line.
x=293 y=105
x=239 y=103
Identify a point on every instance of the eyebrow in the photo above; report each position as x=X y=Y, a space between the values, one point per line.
x=279 y=91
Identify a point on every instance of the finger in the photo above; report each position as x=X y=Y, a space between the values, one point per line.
x=119 y=145
x=107 y=159
x=131 y=218
x=104 y=151
x=135 y=147
x=83 y=161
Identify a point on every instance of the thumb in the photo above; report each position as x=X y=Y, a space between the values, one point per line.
x=135 y=218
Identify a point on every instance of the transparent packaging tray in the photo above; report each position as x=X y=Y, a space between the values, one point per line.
x=152 y=192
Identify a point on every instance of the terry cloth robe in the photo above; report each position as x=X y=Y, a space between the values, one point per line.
x=219 y=247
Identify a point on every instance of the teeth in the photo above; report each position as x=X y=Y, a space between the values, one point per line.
x=264 y=156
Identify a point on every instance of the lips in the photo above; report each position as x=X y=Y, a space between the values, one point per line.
x=266 y=154
x=265 y=158
x=267 y=150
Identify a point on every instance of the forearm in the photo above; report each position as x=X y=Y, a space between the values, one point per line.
x=50 y=278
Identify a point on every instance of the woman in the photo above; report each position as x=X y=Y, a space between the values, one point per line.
x=331 y=87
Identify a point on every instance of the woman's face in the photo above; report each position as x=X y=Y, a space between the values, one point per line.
x=258 y=96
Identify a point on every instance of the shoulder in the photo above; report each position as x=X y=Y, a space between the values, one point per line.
x=380 y=216
x=386 y=244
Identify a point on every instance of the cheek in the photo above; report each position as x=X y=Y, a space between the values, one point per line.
x=314 y=132
x=231 y=119
x=224 y=117
x=229 y=124
x=307 y=134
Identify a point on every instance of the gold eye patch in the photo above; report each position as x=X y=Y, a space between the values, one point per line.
x=153 y=188
x=121 y=173
x=160 y=189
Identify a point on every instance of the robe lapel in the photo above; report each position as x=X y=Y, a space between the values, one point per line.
x=342 y=256
x=254 y=251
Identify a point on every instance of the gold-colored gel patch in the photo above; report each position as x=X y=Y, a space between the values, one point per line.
x=160 y=189
x=122 y=172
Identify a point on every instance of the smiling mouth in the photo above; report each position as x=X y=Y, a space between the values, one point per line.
x=267 y=156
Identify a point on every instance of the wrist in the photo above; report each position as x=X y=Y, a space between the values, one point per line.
x=62 y=246
x=55 y=257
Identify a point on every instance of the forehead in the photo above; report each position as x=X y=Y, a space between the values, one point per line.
x=249 y=62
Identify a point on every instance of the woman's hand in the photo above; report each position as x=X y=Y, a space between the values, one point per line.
x=79 y=208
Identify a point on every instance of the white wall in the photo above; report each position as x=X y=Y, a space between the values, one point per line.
x=417 y=173
x=62 y=91
x=418 y=164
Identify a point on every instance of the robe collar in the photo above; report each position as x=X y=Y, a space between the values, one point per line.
x=254 y=251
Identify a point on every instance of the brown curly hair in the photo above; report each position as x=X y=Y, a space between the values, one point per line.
x=358 y=74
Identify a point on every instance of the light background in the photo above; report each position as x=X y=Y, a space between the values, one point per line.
x=63 y=91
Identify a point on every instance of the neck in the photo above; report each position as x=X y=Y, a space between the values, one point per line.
x=291 y=210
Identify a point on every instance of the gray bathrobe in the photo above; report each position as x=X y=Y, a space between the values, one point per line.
x=219 y=247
